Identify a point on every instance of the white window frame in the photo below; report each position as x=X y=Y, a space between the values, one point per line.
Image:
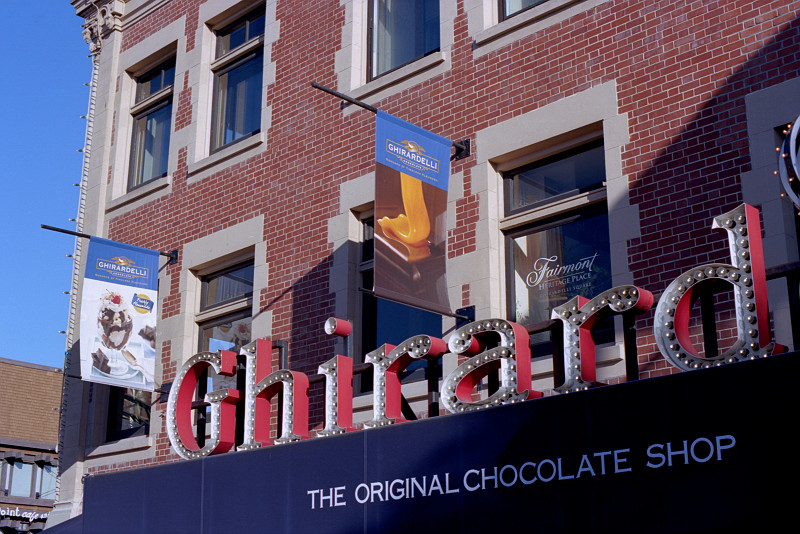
x=217 y=14
x=351 y=58
x=140 y=111
x=490 y=33
x=136 y=61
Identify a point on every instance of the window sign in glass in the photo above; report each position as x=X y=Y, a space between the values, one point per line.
x=232 y=333
x=575 y=171
x=553 y=265
x=401 y=31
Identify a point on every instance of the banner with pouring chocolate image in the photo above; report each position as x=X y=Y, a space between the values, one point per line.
x=411 y=178
x=118 y=315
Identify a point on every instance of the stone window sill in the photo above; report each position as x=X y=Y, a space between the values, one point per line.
x=243 y=148
x=387 y=83
x=146 y=190
x=534 y=19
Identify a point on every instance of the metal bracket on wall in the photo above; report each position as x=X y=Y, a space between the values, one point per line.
x=172 y=255
x=462 y=147
x=464 y=316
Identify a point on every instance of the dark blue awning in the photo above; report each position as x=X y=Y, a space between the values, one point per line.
x=701 y=451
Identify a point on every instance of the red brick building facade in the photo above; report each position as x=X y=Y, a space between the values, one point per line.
x=685 y=102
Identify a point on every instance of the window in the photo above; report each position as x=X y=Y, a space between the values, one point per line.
x=238 y=72
x=152 y=119
x=555 y=178
x=128 y=413
x=401 y=31
x=509 y=8
x=565 y=253
x=26 y=477
x=225 y=290
x=225 y=321
x=230 y=332
x=385 y=321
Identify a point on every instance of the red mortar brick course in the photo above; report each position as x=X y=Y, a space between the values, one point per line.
x=682 y=70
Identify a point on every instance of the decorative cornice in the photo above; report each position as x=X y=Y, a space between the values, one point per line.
x=102 y=17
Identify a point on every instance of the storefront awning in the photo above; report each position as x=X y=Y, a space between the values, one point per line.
x=699 y=451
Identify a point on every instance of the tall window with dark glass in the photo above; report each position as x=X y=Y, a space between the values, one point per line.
x=238 y=79
x=565 y=253
x=224 y=322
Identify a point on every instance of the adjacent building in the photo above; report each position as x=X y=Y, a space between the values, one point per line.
x=31 y=401
x=598 y=140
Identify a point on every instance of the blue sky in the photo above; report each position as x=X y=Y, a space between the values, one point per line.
x=45 y=66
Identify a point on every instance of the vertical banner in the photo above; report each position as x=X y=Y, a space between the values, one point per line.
x=118 y=315
x=411 y=178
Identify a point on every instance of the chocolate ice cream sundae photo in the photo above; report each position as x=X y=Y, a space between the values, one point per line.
x=114 y=321
x=117 y=352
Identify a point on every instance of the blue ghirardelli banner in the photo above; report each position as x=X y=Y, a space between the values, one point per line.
x=411 y=178
x=118 y=315
x=412 y=150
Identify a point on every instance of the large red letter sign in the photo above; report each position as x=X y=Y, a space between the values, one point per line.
x=512 y=356
x=293 y=386
x=388 y=362
x=223 y=409
x=338 y=372
x=579 y=316
x=748 y=278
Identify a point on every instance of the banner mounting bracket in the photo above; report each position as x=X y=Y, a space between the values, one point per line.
x=462 y=147
x=172 y=255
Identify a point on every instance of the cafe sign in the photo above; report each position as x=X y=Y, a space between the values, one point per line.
x=510 y=355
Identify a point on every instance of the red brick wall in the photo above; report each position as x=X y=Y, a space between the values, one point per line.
x=682 y=71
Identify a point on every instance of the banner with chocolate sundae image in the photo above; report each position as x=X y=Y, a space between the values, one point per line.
x=118 y=315
x=411 y=178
